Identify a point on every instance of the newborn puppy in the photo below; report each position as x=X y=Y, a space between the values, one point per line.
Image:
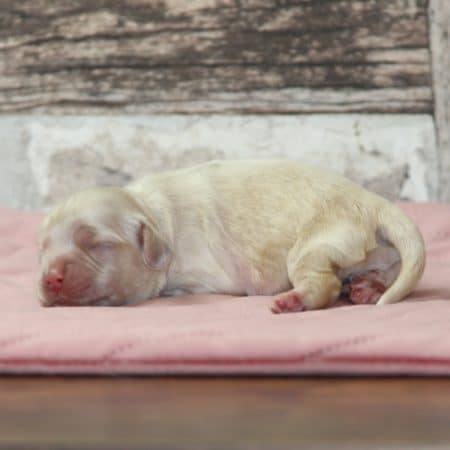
x=278 y=228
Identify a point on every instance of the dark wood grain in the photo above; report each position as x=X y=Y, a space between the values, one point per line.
x=211 y=55
x=232 y=413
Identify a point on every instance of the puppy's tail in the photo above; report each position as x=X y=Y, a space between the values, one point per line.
x=396 y=227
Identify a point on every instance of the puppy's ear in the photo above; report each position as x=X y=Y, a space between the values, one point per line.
x=154 y=250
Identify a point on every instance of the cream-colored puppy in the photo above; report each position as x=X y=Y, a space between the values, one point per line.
x=276 y=228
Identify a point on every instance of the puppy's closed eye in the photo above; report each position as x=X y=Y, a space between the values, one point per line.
x=102 y=250
x=89 y=240
x=85 y=237
x=102 y=245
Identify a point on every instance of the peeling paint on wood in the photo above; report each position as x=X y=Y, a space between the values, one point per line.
x=440 y=50
x=203 y=56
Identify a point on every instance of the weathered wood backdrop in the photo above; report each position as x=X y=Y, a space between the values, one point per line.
x=439 y=19
x=262 y=68
x=253 y=56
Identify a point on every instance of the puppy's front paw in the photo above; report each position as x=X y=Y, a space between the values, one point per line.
x=291 y=301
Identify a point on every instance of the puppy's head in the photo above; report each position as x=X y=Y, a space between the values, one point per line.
x=100 y=247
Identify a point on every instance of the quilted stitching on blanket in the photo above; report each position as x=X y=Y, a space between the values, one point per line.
x=223 y=334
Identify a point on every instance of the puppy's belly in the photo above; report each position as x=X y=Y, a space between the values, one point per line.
x=203 y=273
x=201 y=282
x=208 y=283
x=224 y=275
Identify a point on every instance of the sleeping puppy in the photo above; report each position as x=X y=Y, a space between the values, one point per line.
x=302 y=235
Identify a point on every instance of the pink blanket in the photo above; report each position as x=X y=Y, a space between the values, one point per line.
x=222 y=334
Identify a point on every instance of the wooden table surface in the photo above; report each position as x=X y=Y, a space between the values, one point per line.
x=224 y=413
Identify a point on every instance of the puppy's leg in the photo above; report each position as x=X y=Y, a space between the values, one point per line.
x=314 y=281
x=313 y=269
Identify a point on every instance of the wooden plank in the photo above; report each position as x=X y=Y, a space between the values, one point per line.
x=234 y=413
x=440 y=50
x=215 y=56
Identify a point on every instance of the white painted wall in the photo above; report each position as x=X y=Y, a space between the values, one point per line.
x=44 y=158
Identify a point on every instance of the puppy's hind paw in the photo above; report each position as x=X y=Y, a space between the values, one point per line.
x=367 y=288
x=291 y=301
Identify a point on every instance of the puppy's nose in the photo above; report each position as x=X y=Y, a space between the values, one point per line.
x=54 y=280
